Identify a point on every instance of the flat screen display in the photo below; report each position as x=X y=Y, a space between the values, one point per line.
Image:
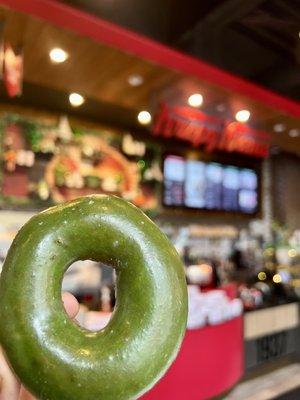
x=209 y=185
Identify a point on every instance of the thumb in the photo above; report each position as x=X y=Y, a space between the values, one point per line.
x=9 y=385
x=71 y=305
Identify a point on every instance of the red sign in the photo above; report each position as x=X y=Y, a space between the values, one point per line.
x=12 y=71
x=240 y=138
x=200 y=129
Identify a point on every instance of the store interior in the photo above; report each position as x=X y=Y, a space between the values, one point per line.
x=213 y=159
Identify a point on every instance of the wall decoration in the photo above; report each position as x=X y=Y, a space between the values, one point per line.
x=1 y=49
x=44 y=165
x=200 y=129
x=12 y=71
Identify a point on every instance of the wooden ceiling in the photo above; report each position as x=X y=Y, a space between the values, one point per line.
x=100 y=73
x=94 y=70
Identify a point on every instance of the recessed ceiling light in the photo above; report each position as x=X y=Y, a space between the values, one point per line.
x=262 y=276
x=135 y=80
x=58 y=55
x=279 y=128
x=277 y=278
x=144 y=117
x=221 y=107
x=76 y=99
x=294 y=133
x=195 y=100
x=242 y=116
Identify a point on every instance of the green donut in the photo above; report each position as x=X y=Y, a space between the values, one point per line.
x=54 y=357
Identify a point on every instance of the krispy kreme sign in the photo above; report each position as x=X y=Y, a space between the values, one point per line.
x=213 y=134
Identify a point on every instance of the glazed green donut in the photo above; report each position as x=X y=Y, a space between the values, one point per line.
x=54 y=357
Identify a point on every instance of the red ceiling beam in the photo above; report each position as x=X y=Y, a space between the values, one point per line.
x=105 y=32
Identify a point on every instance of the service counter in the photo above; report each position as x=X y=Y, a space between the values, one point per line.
x=213 y=359
x=271 y=334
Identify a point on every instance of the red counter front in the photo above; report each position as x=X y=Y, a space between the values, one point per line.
x=210 y=362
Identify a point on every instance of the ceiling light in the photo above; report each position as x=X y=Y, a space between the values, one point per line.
x=58 y=55
x=279 y=128
x=195 y=100
x=292 y=253
x=294 y=133
x=76 y=99
x=242 y=115
x=221 y=107
x=135 y=80
x=262 y=276
x=277 y=278
x=144 y=117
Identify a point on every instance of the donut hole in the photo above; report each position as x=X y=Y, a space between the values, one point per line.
x=93 y=285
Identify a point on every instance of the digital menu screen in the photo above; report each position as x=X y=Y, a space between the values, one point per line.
x=174 y=177
x=209 y=185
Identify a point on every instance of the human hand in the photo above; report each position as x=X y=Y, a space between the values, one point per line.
x=10 y=387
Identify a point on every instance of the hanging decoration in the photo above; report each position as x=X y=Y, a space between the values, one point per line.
x=12 y=71
x=199 y=129
x=64 y=129
x=1 y=49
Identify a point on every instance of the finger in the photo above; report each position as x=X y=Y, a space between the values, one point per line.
x=71 y=304
x=25 y=395
x=9 y=385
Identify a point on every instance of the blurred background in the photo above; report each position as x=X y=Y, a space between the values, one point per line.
x=190 y=111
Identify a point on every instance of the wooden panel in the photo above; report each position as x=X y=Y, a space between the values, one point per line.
x=271 y=320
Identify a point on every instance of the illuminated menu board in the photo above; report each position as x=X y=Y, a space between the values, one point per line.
x=213 y=186
x=174 y=177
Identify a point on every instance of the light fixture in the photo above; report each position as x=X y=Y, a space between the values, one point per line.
x=242 y=116
x=195 y=100
x=292 y=253
x=279 y=128
x=277 y=278
x=76 y=100
x=262 y=276
x=221 y=107
x=144 y=117
x=58 y=55
x=294 y=133
x=135 y=80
